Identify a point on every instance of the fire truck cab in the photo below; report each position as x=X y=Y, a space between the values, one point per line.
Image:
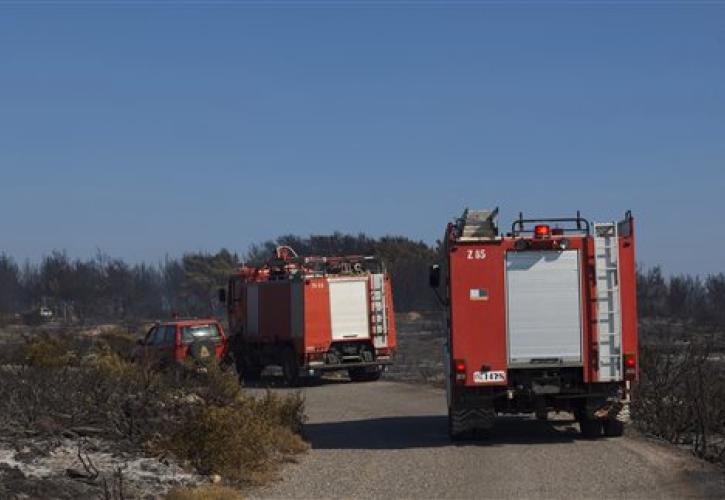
x=541 y=318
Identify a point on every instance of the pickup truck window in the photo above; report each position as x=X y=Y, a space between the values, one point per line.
x=149 y=338
x=158 y=336
x=199 y=332
x=170 y=335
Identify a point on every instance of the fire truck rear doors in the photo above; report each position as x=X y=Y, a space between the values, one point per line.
x=544 y=308
x=349 y=308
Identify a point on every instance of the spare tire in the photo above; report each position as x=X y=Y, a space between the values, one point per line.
x=202 y=351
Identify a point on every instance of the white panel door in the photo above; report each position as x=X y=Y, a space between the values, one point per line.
x=349 y=309
x=544 y=307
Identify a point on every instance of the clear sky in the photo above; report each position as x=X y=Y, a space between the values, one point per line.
x=152 y=128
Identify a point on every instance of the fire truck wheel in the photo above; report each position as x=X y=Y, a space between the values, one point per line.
x=591 y=428
x=613 y=427
x=252 y=373
x=457 y=431
x=290 y=367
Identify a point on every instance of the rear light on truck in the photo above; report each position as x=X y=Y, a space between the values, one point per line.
x=630 y=367
x=542 y=231
x=459 y=367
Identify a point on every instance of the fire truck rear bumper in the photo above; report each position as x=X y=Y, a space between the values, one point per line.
x=322 y=366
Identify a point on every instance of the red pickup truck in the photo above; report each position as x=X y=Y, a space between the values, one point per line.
x=175 y=341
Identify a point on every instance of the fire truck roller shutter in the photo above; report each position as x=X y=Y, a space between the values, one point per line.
x=349 y=309
x=544 y=307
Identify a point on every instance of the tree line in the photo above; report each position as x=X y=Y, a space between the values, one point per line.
x=683 y=298
x=105 y=288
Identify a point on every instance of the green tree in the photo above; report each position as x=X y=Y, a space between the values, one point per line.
x=204 y=274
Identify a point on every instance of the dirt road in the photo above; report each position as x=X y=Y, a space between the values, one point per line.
x=388 y=440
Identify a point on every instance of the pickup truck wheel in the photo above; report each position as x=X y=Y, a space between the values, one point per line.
x=591 y=428
x=613 y=427
x=291 y=367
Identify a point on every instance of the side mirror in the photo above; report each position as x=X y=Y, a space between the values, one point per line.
x=140 y=341
x=434 y=276
x=222 y=295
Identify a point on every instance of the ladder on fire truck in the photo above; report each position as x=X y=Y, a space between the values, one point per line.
x=609 y=322
x=378 y=318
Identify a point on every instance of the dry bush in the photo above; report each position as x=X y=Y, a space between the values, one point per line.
x=49 y=351
x=235 y=435
x=118 y=339
x=205 y=419
x=213 y=492
x=681 y=398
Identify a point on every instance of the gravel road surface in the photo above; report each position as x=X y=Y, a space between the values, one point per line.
x=388 y=440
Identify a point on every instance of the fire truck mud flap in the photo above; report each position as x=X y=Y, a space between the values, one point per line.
x=463 y=422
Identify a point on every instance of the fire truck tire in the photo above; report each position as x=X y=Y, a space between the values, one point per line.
x=249 y=372
x=591 y=428
x=613 y=427
x=364 y=374
x=457 y=428
x=290 y=367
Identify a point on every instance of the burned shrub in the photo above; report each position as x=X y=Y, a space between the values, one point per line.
x=680 y=397
x=203 y=418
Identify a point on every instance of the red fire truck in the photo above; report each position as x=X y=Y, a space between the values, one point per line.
x=541 y=318
x=310 y=315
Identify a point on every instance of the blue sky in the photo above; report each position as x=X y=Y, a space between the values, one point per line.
x=158 y=128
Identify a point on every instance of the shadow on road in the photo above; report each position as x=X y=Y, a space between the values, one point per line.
x=277 y=382
x=431 y=431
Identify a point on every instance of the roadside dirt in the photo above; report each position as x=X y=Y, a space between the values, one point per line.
x=33 y=468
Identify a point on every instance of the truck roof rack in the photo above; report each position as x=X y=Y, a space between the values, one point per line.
x=581 y=225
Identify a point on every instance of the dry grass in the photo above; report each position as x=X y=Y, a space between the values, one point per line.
x=118 y=339
x=212 y=492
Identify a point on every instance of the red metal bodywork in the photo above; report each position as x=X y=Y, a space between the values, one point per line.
x=478 y=328
x=294 y=310
x=178 y=351
x=181 y=350
x=542 y=318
